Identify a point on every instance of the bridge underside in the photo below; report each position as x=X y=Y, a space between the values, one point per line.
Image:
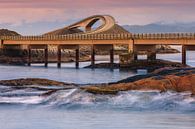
x=76 y=47
x=135 y=46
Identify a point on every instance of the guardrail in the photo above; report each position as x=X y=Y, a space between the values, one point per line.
x=102 y=36
x=164 y=36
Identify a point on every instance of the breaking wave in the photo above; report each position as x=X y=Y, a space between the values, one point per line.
x=77 y=99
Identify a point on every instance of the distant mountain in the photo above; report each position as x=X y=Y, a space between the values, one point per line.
x=161 y=28
x=6 y=32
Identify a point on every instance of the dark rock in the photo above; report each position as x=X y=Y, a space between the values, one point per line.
x=49 y=92
x=104 y=65
x=161 y=49
x=162 y=81
x=33 y=81
x=150 y=65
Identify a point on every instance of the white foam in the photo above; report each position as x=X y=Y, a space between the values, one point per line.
x=22 y=100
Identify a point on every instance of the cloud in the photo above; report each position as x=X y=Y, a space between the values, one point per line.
x=18 y=12
x=93 y=3
x=17 y=16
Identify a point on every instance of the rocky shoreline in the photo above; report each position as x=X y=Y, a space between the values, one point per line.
x=167 y=79
x=178 y=80
x=38 y=84
x=149 y=65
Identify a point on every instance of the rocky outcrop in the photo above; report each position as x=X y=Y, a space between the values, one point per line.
x=150 y=65
x=34 y=81
x=12 y=60
x=179 y=80
x=104 y=65
x=161 y=49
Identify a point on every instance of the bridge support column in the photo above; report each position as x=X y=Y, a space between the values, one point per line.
x=112 y=57
x=29 y=55
x=1 y=45
x=77 y=58
x=92 y=56
x=46 y=56
x=131 y=46
x=183 y=54
x=135 y=56
x=151 y=55
x=59 y=56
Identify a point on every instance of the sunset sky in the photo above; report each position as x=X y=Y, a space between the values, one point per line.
x=38 y=16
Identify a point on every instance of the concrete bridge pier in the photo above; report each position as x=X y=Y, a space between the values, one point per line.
x=29 y=55
x=184 y=54
x=135 y=55
x=92 y=56
x=1 y=44
x=151 y=55
x=131 y=46
x=112 y=57
x=31 y=47
x=75 y=47
x=77 y=58
x=59 y=56
x=46 y=56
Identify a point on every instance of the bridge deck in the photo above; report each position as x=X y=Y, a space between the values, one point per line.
x=169 y=38
x=103 y=36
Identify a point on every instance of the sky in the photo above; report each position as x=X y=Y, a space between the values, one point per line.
x=33 y=17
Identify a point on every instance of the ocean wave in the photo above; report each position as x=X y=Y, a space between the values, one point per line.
x=77 y=99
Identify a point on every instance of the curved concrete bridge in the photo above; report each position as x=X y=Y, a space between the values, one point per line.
x=103 y=37
x=107 y=22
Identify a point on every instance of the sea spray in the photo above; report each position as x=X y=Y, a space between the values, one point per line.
x=77 y=99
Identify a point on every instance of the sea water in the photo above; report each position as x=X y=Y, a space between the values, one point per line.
x=75 y=109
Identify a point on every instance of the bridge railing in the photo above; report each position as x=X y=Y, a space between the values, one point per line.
x=103 y=36
x=164 y=36
x=70 y=37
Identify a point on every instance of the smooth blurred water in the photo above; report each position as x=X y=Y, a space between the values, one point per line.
x=75 y=109
x=190 y=56
x=68 y=73
x=71 y=75
x=55 y=119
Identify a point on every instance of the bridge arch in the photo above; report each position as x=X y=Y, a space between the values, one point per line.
x=89 y=26
x=107 y=22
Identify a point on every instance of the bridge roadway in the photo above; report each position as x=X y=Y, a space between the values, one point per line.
x=136 y=43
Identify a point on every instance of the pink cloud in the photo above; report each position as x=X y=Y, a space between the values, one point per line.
x=93 y=3
x=125 y=11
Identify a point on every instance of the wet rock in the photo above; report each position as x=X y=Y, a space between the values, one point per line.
x=49 y=92
x=34 y=81
x=100 y=90
x=150 y=65
x=104 y=65
x=162 y=82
